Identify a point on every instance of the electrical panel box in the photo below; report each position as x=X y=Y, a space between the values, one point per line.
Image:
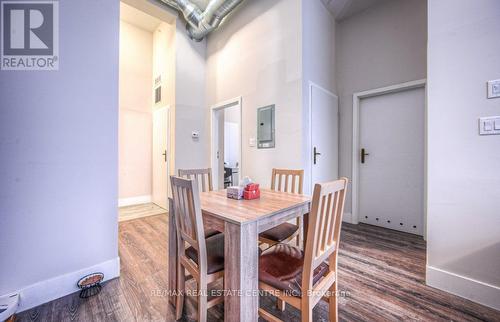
x=265 y=127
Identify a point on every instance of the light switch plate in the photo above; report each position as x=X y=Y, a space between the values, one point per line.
x=489 y=125
x=251 y=142
x=494 y=88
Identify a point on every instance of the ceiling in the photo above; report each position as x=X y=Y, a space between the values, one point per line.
x=343 y=9
x=138 y=18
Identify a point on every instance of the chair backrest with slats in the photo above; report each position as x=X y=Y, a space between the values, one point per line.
x=325 y=221
x=202 y=176
x=286 y=180
x=188 y=217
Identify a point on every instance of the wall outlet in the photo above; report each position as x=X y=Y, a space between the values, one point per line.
x=494 y=88
x=489 y=125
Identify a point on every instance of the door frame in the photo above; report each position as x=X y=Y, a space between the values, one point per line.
x=310 y=145
x=237 y=101
x=356 y=100
x=169 y=133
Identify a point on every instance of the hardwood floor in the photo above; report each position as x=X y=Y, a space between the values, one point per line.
x=381 y=273
x=139 y=211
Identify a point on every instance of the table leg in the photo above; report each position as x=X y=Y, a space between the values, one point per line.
x=241 y=272
x=172 y=254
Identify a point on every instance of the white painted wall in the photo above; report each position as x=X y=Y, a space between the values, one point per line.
x=463 y=225
x=232 y=136
x=257 y=55
x=191 y=113
x=135 y=127
x=318 y=66
x=381 y=46
x=59 y=160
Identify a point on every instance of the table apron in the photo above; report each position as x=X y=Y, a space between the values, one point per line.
x=281 y=217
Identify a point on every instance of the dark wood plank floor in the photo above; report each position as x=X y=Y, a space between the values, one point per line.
x=381 y=272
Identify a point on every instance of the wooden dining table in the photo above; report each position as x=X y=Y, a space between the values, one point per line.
x=241 y=221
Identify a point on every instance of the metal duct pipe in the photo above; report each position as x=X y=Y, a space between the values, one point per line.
x=201 y=23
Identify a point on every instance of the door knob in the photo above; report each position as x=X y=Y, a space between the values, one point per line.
x=315 y=155
x=363 y=155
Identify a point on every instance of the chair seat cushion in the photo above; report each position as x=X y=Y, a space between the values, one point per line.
x=281 y=267
x=280 y=232
x=215 y=253
x=211 y=232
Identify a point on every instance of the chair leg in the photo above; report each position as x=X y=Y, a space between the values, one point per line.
x=202 y=302
x=306 y=310
x=280 y=305
x=332 y=303
x=179 y=305
x=299 y=235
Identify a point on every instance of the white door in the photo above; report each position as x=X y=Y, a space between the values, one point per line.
x=160 y=157
x=325 y=136
x=218 y=148
x=391 y=177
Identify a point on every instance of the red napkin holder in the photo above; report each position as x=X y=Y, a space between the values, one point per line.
x=252 y=187
x=251 y=194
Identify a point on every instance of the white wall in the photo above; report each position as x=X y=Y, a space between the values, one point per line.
x=59 y=160
x=463 y=228
x=135 y=127
x=232 y=136
x=191 y=113
x=257 y=55
x=381 y=46
x=318 y=65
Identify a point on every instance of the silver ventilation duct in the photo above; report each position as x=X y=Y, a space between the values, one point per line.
x=201 y=23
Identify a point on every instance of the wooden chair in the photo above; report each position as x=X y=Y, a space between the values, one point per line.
x=285 y=232
x=302 y=279
x=205 y=175
x=203 y=178
x=204 y=258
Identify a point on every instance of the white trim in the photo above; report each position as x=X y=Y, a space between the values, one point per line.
x=356 y=98
x=309 y=147
x=347 y=217
x=465 y=287
x=237 y=101
x=132 y=201
x=57 y=287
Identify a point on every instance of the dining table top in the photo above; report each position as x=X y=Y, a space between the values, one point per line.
x=217 y=204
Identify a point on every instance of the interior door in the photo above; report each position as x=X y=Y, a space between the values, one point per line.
x=218 y=148
x=325 y=136
x=391 y=173
x=160 y=157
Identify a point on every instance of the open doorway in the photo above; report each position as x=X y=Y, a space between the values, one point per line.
x=144 y=122
x=226 y=143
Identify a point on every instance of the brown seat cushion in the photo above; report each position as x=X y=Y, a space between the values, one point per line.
x=211 y=232
x=215 y=253
x=280 y=232
x=281 y=267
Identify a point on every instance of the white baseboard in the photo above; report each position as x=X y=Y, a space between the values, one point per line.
x=471 y=289
x=347 y=217
x=124 y=202
x=57 y=287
